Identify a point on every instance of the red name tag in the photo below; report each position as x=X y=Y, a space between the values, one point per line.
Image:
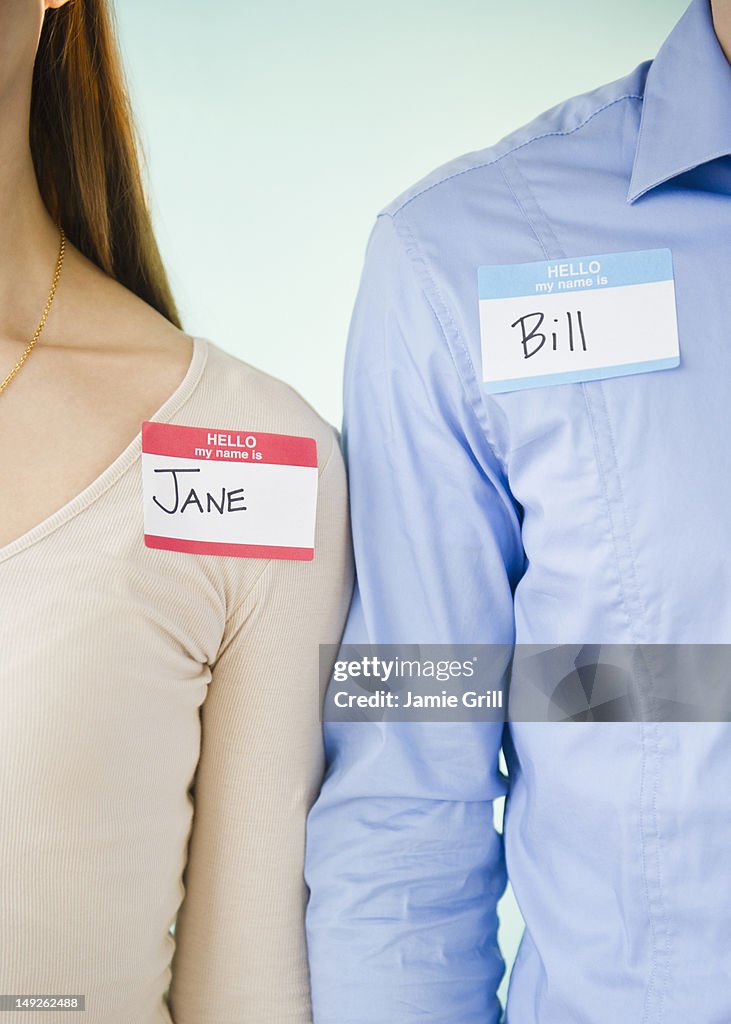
x=216 y=491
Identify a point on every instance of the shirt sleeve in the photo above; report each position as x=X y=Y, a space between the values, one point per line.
x=240 y=955
x=403 y=862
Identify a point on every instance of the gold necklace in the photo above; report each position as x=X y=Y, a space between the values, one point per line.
x=41 y=325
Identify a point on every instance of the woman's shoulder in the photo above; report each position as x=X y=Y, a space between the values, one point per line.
x=190 y=377
x=236 y=395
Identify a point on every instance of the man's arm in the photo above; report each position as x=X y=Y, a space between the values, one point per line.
x=403 y=863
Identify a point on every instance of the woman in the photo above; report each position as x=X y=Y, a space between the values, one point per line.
x=159 y=732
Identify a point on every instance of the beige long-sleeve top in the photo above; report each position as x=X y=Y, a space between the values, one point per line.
x=160 y=741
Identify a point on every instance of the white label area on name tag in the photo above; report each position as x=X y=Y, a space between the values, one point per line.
x=574 y=319
x=208 y=490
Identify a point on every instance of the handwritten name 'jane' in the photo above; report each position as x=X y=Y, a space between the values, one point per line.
x=230 y=501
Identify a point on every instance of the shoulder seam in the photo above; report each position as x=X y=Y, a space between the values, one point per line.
x=334 y=443
x=514 y=149
x=233 y=612
x=408 y=256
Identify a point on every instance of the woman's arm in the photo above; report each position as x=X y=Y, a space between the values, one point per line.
x=240 y=954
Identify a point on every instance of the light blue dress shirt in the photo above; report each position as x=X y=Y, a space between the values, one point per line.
x=594 y=512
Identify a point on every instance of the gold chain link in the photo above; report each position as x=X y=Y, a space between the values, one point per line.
x=41 y=325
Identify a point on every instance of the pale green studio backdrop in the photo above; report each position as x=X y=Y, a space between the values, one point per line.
x=275 y=131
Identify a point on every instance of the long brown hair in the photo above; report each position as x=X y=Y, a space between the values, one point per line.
x=87 y=152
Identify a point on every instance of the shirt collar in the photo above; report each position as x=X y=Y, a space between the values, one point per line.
x=686 y=112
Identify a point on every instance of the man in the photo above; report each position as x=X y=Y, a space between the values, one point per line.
x=537 y=406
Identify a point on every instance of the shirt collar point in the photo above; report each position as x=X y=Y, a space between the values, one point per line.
x=637 y=189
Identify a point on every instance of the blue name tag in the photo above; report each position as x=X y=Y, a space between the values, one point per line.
x=578 y=318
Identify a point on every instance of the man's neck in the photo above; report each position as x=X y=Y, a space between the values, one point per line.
x=722 y=24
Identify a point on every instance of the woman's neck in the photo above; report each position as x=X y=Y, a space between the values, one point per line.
x=29 y=238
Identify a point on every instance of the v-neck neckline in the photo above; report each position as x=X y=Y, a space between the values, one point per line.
x=121 y=463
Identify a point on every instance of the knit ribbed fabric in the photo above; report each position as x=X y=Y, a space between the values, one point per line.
x=160 y=741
